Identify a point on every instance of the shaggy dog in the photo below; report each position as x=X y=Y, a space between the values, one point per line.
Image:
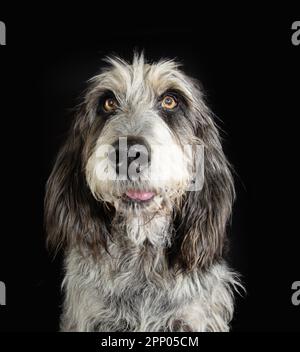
x=139 y=198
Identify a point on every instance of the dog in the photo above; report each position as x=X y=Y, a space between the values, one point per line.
x=144 y=250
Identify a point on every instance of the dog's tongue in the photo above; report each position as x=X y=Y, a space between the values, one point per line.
x=139 y=195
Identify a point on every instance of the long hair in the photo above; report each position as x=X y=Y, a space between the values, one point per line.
x=74 y=217
x=200 y=222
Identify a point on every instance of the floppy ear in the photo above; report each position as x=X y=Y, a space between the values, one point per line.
x=200 y=224
x=72 y=215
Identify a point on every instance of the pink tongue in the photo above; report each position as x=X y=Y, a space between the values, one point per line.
x=139 y=195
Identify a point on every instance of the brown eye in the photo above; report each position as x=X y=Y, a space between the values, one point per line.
x=110 y=104
x=169 y=102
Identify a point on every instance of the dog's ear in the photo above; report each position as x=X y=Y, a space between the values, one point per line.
x=72 y=215
x=200 y=222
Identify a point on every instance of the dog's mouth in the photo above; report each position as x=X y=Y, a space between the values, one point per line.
x=138 y=196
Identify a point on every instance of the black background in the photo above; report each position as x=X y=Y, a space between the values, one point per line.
x=250 y=71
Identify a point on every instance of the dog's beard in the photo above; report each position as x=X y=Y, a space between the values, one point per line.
x=151 y=228
x=140 y=198
x=141 y=221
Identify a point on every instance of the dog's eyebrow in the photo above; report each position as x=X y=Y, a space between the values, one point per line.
x=173 y=90
x=105 y=92
x=178 y=92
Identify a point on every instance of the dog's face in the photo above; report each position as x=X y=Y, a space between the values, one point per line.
x=141 y=157
x=142 y=138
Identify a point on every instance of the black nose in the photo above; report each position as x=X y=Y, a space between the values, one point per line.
x=130 y=155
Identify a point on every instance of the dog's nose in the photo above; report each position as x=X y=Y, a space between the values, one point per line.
x=138 y=148
x=131 y=153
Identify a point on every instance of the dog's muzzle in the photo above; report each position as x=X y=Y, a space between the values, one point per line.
x=130 y=154
x=130 y=157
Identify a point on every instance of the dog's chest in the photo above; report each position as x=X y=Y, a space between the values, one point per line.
x=134 y=294
x=121 y=293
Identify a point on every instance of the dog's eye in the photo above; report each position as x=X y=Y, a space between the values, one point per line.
x=110 y=104
x=169 y=102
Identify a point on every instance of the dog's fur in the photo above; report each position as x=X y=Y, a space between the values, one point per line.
x=130 y=267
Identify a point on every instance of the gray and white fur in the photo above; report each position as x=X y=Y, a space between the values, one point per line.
x=142 y=266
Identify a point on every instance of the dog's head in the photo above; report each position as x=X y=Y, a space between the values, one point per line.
x=143 y=155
